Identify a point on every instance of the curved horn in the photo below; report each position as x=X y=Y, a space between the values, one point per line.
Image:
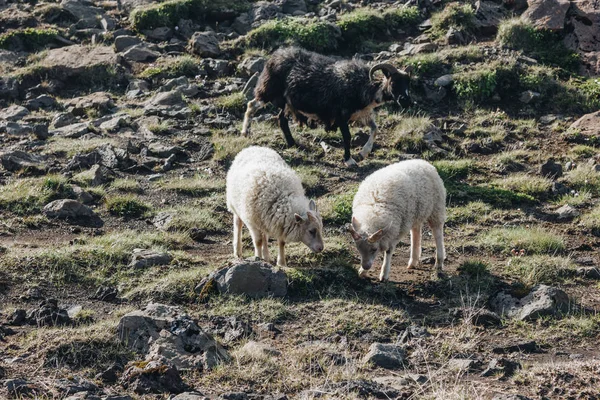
x=388 y=69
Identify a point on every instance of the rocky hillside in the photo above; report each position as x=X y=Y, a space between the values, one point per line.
x=118 y=121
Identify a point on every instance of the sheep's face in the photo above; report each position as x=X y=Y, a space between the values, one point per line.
x=366 y=244
x=311 y=227
x=399 y=89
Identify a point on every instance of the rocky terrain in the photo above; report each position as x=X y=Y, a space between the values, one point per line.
x=118 y=120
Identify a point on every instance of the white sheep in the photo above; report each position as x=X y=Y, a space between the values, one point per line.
x=393 y=201
x=266 y=195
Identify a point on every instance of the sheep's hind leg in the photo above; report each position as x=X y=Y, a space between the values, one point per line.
x=346 y=135
x=368 y=147
x=281 y=255
x=265 y=248
x=237 y=236
x=415 y=247
x=384 y=276
x=440 y=252
x=253 y=106
x=257 y=240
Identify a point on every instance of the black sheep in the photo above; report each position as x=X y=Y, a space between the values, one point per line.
x=311 y=86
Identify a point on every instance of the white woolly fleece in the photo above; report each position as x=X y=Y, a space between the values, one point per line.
x=266 y=193
x=398 y=197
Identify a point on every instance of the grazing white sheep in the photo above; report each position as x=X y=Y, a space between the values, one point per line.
x=266 y=195
x=393 y=201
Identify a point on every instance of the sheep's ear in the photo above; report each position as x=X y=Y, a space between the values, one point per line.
x=299 y=218
x=312 y=206
x=375 y=237
x=355 y=223
x=352 y=232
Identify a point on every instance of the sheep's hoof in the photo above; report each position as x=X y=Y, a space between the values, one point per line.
x=384 y=279
x=245 y=132
x=438 y=275
x=350 y=162
x=362 y=272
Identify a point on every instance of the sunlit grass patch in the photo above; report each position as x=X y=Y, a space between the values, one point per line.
x=127 y=185
x=471 y=212
x=408 y=134
x=193 y=186
x=536 y=269
x=534 y=240
x=337 y=208
x=584 y=177
x=128 y=206
x=532 y=185
x=175 y=287
x=454 y=169
x=29 y=195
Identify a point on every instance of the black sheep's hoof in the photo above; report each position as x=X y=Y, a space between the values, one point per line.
x=359 y=158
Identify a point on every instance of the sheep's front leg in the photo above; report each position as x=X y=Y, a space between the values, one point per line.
x=253 y=106
x=237 y=236
x=265 y=248
x=368 y=147
x=440 y=251
x=346 y=135
x=387 y=264
x=415 y=247
x=285 y=128
x=281 y=255
x=257 y=240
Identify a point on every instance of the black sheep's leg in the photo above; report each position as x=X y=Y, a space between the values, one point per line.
x=346 y=135
x=285 y=127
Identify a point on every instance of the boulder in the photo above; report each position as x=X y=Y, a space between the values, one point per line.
x=49 y=314
x=161 y=34
x=106 y=155
x=99 y=101
x=444 y=80
x=488 y=15
x=583 y=23
x=551 y=169
x=152 y=377
x=190 y=396
x=588 y=125
x=252 y=65
x=13 y=113
x=163 y=333
x=248 y=90
x=252 y=278
x=17 y=160
x=567 y=213
x=68 y=209
x=72 y=61
x=542 y=301
x=98 y=175
x=504 y=367
x=63 y=119
x=143 y=258
x=385 y=355
x=547 y=14
x=463 y=364
x=140 y=53
x=205 y=44
x=9 y=88
x=124 y=42
x=528 y=96
x=72 y=131
x=589 y=272
x=43 y=101
x=292 y=7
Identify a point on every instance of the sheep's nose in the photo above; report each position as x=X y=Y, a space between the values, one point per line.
x=318 y=248
x=366 y=266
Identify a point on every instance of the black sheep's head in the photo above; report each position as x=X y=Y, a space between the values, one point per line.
x=395 y=85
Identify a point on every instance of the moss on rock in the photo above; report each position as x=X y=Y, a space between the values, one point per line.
x=29 y=39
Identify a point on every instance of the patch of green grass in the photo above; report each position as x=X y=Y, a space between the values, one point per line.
x=337 y=209
x=234 y=103
x=188 y=217
x=169 y=13
x=462 y=193
x=364 y=25
x=584 y=151
x=575 y=199
x=228 y=146
x=510 y=161
x=454 y=169
x=162 y=128
x=471 y=212
x=544 y=45
x=535 y=269
x=172 y=67
x=532 y=185
x=316 y=36
x=591 y=220
x=193 y=186
x=31 y=39
x=408 y=134
x=260 y=310
x=455 y=15
x=584 y=178
x=29 y=195
x=127 y=206
x=474 y=85
x=126 y=185
x=175 y=287
x=584 y=325
x=533 y=240
x=312 y=178
x=474 y=268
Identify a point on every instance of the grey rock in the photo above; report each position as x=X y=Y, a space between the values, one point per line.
x=252 y=65
x=547 y=14
x=551 y=169
x=384 y=355
x=124 y=42
x=86 y=15
x=17 y=160
x=43 y=101
x=488 y=15
x=9 y=88
x=460 y=364
x=589 y=272
x=170 y=98
x=153 y=377
x=259 y=349
x=164 y=151
x=68 y=209
x=13 y=113
x=161 y=34
x=63 y=119
x=205 y=44
x=542 y=301
x=528 y=96
x=106 y=293
x=510 y=397
x=137 y=328
x=72 y=61
x=99 y=101
x=162 y=220
x=248 y=90
x=20 y=388
x=72 y=131
x=400 y=382
x=81 y=195
x=253 y=278
x=215 y=68
x=114 y=124
x=99 y=175
x=504 y=367
x=523 y=347
x=444 y=80
x=190 y=396
x=292 y=6
x=143 y=258
x=138 y=84
x=140 y=53
x=50 y=314
x=456 y=36
x=567 y=213
x=589 y=124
